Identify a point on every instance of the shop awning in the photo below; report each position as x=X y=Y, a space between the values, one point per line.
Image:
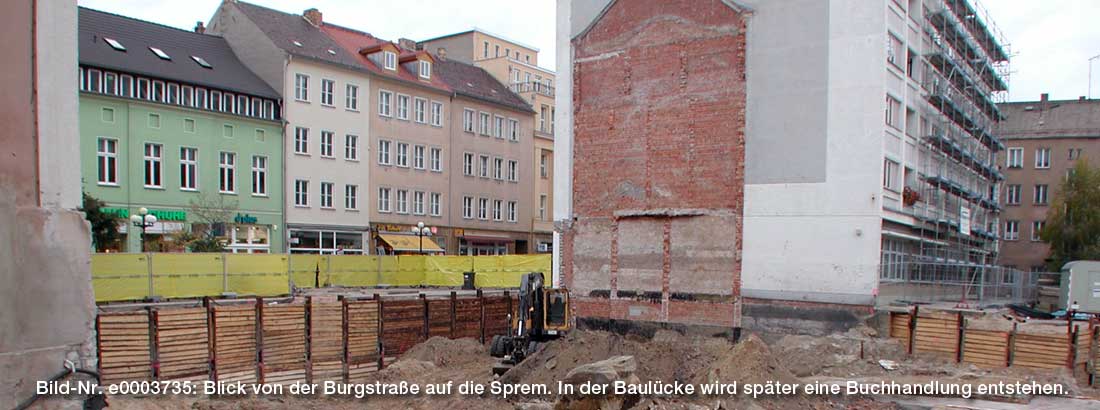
x=409 y=243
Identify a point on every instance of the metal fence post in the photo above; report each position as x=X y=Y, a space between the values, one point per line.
x=149 y=271
x=225 y=273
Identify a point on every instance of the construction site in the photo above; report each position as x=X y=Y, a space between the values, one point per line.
x=709 y=253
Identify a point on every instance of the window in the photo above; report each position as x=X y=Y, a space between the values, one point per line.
x=227 y=131
x=498 y=214
x=200 y=98
x=327 y=89
x=351 y=200
x=513 y=130
x=544 y=161
x=202 y=62
x=437 y=114
x=326 y=195
x=402 y=107
x=433 y=204
x=484 y=166
x=389 y=60
x=467 y=207
x=496 y=50
x=543 y=114
x=351 y=147
x=1012 y=230
x=326 y=144
x=910 y=64
x=485 y=50
x=512 y=211
x=301 y=87
x=513 y=170
x=351 y=97
x=126 y=86
x=143 y=88
x=1037 y=230
x=160 y=53
x=383 y=152
x=383 y=199
x=301 y=193
x=1074 y=153
x=187 y=94
x=468 y=164
x=542 y=207
x=499 y=130
x=893 y=112
x=436 y=159
x=890 y=173
x=158 y=91
x=1041 y=194
x=384 y=99
x=485 y=127
x=114 y=44
x=894 y=49
x=402 y=206
x=483 y=209
x=301 y=140
x=420 y=106
x=173 y=94
x=468 y=120
x=402 y=155
x=259 y=175
x=189 y=169
x=498 y=168
x=1042 y=158
x=418 y=202
x=1012 y=194
x=227 y=166
x=153 y=156
x=1015 y=157
x=425 y=69
x=418 y=157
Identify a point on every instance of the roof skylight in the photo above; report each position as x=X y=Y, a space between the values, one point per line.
x=160 y=53
x=114 y=44
x=201 y=62
x=297 y=43
x=331 y=51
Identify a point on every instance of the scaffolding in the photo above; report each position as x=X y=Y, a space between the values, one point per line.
x=964 y=70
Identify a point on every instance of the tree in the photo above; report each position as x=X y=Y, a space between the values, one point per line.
x=211 y=216
x=104 y=225
x=1073 y=222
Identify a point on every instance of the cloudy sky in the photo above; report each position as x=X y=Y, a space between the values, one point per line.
x=1052 y=40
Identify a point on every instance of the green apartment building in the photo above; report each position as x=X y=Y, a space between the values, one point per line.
x=171 y=121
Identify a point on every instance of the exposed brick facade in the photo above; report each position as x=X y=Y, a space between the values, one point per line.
x=658 y=175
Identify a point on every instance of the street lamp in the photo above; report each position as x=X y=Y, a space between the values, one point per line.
x=421 y=231
x=143 y=220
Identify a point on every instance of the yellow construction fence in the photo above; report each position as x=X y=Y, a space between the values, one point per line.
x=133 y=276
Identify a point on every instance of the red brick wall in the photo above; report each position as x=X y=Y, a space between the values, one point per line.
x=658 y=188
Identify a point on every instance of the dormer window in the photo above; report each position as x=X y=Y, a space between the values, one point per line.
x=114 y=44
x=160 y=53
x=389 y=60
x=425 y=69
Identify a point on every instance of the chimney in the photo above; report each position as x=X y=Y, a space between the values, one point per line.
x=1081 y=98
x=1044 y=97
x=313 y=16
x=199 y=28
x=406 y=44
x=441 y=53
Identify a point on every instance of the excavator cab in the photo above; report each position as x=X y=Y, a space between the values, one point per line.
x=542 y=314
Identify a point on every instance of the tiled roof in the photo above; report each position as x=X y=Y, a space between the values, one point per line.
x=352 y=41
x=287 y=31
x=1050 y=119
x=475 y=82
x=137 y=36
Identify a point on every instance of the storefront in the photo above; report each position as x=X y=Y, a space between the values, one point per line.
x=247 y=233
x=398 y=239
x=475 y=242
x=326 y=241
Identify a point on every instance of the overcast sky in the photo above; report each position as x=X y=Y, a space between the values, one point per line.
x=1052 y=40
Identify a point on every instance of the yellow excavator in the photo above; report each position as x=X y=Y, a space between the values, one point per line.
x=543 y=315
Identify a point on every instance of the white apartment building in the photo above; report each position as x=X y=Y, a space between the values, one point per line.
x=325 y=94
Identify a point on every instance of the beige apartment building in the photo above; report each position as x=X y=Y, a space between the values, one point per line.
x=1045 y=140
x=516 y=64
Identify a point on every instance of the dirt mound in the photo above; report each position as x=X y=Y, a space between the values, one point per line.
x=444 y=352
x=749 y=361
x=837 y=354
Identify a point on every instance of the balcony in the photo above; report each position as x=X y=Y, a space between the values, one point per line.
x=532 y=87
